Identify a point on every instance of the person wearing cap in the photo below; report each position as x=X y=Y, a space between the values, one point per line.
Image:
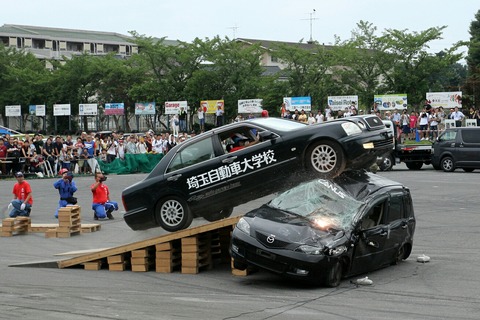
x=101 y=204
x=22 y=197
x=66 y=188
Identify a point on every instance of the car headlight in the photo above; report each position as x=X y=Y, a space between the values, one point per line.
x=335 y=251
x=351 y=128
x=368 y=145
x=310 y=249
x=243 y=225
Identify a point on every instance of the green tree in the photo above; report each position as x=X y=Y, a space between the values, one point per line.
x=472 y=85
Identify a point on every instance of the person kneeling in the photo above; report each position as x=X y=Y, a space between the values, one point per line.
x=101 y=204
x=22 y=197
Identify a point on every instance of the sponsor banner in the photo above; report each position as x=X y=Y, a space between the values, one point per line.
x=61 y=109
x=142 y=108
x=298 y=103
x=88 y=109
x=173 y=107
x=391 y=101
x=13 y=111
x=445 y=99
x=250 y=106
x=40 y=110
x=114 y=109
x=211 y=106
x=341 y=102
x=36 y=110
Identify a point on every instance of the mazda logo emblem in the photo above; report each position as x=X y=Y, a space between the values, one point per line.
x=271 y=238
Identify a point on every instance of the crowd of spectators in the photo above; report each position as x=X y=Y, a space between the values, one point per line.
x=48 y=155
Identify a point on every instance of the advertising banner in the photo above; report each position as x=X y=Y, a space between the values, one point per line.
x=391 y=101
x=250 y=106
x=447 y=100
x=211 y=106
x=40 y=110
x=142 y=108
x=13 y=111
x=32 y=109
x=114 y=109
x=298 y=103
x=173 y=107
x=341 y=102
x=88 y=109
x=61 y=109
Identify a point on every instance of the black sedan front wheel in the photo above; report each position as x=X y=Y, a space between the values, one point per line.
x=173 y=214
x=334 y=275
x=326 y=158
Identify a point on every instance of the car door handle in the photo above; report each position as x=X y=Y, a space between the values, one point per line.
x=174 y=177
x=229 y=159
x=383 y=233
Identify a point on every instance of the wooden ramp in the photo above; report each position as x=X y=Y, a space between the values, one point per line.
x=188 y=251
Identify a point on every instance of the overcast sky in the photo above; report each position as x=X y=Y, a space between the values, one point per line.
x=281 y=20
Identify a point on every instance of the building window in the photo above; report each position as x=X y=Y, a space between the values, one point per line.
x=63 y=45
x=48 y=44
x=99 y=48
x=28 y=43
x=12 y=42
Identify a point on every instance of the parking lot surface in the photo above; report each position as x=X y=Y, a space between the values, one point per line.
x=448 y=219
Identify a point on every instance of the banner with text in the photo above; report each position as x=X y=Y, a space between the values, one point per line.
x=40 y=110
x=173 y=107
x=391 y=101
x=62 y=109
x=298 y=103
x=144 y=108
x=250 y=106
x=447 y=100
x=88 y=109
x=342 y=102
x=211 y=106
x=13 y=111
x=114 y=109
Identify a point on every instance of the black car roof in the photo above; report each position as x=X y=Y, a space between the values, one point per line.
x=361 y=184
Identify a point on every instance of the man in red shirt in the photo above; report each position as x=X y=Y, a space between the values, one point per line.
x=22 y=197
x=101 y=204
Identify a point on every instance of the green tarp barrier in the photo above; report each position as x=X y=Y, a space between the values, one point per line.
x=133 y=163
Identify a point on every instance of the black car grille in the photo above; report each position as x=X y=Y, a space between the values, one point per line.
x=267 y=262
x=387 y=143
x=264 y=239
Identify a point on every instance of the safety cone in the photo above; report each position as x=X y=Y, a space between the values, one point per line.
x=417 y=136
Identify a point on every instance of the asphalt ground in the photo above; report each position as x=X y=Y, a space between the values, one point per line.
x=447 y=208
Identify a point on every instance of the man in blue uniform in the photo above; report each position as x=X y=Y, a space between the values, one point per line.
x=66 y=188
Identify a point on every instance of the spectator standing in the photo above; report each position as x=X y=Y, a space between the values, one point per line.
x=182 y=118
x=142 y=146
x=319 y=117
x=131 y=146
x=175 y=125
x=101 y=203
x=311 y=119
x=201 y=119
x=112 y=150
x=219 y=116
x=121 y=150
x=66 y=188
x=22 y=197
x=3 y=157
x=413 y=120
x=458 y=116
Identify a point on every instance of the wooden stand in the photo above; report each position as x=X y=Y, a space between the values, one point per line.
x=15 y=226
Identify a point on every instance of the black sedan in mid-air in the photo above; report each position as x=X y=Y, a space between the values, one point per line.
x=324 y=230
x=209 y=174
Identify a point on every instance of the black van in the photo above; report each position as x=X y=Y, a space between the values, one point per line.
x=457 y=148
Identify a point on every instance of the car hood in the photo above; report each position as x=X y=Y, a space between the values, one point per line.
x=288 y=230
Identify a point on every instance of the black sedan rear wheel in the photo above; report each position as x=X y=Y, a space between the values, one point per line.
x=334 y=275
x=173 y=214
x=326 y=158
x=222 y=214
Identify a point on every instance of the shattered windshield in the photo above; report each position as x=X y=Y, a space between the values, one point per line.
x=323 y=202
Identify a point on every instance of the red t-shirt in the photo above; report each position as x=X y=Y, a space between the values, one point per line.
x=21 y=191
x=100 y=195
x=237 y=148
x=3 y=152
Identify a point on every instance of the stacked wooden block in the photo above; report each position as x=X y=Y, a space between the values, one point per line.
x=196 y=253
x=118 y=262
x=14 y=226
x=69 y=223
x=167 y=256
x=142 y=259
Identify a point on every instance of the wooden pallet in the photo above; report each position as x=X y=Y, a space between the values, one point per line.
x=69 y=222
x=15 y=226
x=190 y=251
